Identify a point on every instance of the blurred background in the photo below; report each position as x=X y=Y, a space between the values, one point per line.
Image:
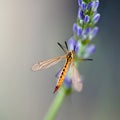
x=29 y=31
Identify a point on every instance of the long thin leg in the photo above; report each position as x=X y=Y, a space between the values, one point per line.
x=61 y=47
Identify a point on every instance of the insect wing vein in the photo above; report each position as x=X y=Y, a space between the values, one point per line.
x=76 y=80
x=47 y=63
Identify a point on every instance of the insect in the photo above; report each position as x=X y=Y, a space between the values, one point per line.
x=69 y=64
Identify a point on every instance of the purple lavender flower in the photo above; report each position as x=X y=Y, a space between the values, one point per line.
x=93 y=33
x=86 y=19
x=79 y=31
x=79 y=2
x=80 y=14
x=90 y=49
x=74 y=45
x=74 y=28
x=71 y=43
x=83 y=6
x=93 y=5
x=96 y=4
x=87 y=31
x=90 y=5
x=96 y=18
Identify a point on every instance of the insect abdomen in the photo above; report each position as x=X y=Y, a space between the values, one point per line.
x=62 y=75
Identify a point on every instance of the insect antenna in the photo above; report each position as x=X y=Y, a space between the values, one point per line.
x=62 y=47
x=66 y=45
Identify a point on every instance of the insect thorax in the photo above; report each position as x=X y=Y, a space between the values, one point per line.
x=69 y=56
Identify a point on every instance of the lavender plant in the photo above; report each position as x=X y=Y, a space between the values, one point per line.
x=84 y=30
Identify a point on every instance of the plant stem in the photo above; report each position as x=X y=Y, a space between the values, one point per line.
x=56 y=104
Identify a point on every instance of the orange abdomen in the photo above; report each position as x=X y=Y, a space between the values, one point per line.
x=62 y=75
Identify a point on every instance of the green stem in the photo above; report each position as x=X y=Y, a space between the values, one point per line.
x=56 y=104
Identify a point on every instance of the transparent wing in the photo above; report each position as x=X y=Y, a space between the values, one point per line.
x=47 y=63
x=76 y=80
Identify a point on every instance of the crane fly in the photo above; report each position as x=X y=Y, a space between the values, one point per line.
x=70 y=58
